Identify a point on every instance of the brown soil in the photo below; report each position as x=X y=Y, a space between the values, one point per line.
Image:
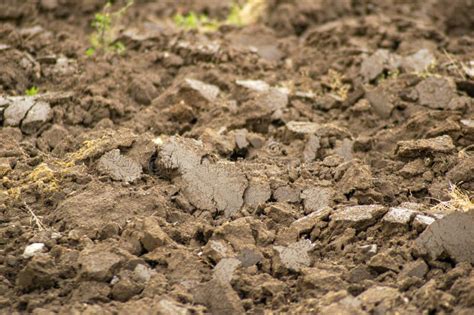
x=290 y=166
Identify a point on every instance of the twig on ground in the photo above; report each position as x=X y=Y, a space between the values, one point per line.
x=35 y=218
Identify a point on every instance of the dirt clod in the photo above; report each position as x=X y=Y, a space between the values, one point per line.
x=416 y=148
x=224 y=185
x=436 y=92
x=219 y=297
x=119 y=167
x=359 y=217
x=451 y=236
x=294 y=257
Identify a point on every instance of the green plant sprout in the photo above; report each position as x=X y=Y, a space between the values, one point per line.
x=193 y=20
x=238 y=15
x=235 y=15
x=105 y=34
x=32 y=91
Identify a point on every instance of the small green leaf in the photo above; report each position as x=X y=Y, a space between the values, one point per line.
x=32 y=91
x=119 y=47
x=90 y=52
x=235 y=15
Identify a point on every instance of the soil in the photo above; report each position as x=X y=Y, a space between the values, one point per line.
x=290 y=166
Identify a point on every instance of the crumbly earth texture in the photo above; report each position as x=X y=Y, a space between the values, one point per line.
x=290 y=166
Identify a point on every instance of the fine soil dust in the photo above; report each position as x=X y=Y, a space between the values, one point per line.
x=319 y=160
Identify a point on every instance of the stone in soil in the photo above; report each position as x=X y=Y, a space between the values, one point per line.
x=436 y=93
x=344 y=149
x=358 y=217
x=208 y=185
x=293 y=257
x=33 y=249
x=142 y=273
x=119 y=167
x=451 y=236
x=416 y=148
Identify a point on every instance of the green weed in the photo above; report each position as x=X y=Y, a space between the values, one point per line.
x=193 y=20
x=430 y=71
x=32 y=91
x=105 y=25
x=238 y=15
x=391 y=74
